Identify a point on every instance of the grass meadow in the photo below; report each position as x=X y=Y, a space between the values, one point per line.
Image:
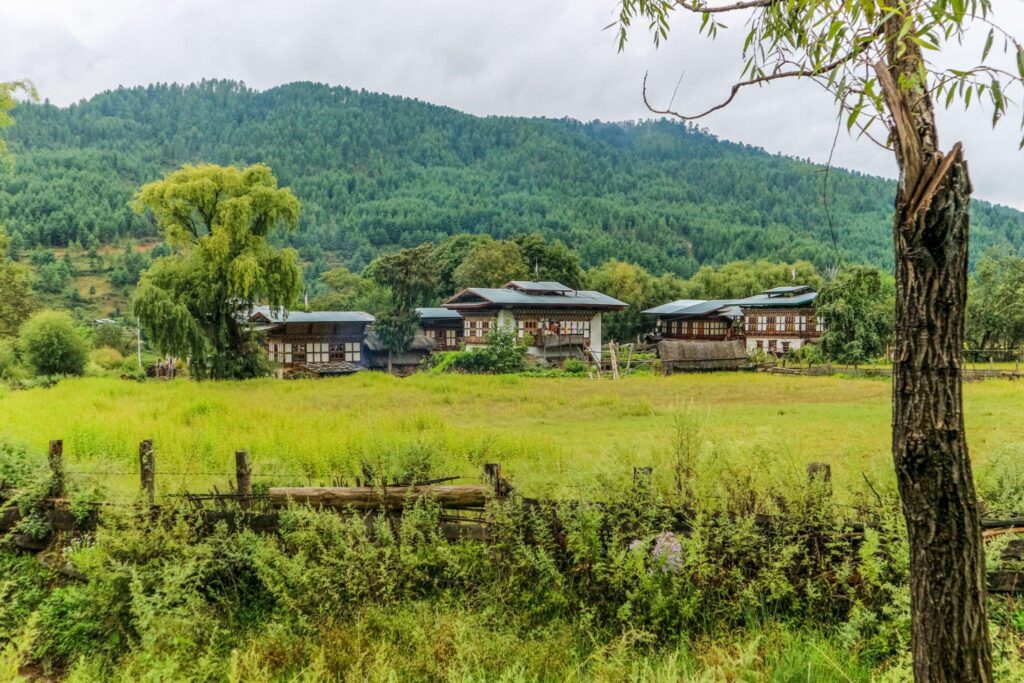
x=608 y=595
x=563 y=437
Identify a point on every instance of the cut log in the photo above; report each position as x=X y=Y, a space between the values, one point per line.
x=366 y=498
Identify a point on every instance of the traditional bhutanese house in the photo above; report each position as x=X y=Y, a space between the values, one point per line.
x=442 y=325
x=439 y=330
x=686 y=355
x=558 y=321
x=699 y=320
x=322 y=342
x=781 y=319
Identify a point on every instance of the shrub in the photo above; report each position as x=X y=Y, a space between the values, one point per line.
x=574 y=366
x=51 y=345
x=106 y=357
x=502 y=355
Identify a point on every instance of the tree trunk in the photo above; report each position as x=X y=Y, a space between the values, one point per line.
x=930 y=234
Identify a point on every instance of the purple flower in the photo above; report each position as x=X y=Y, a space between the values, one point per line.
x=667 y=552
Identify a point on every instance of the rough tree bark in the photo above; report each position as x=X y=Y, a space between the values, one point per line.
x=930 y=234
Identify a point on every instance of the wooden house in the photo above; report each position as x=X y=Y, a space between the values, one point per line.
x=439 y=329
x=774 y=321
x=780 y=319
x=555 y=321
x=699 y=320
x=322 y=342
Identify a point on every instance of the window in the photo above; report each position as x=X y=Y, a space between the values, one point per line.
x=821 y=324
x=317 y=352
x=762 y=323
x=760 y=344
x=451 y=338
x=801 y=323
x=715 y=328
x=785 y=347
x=780 y=323
x=353 y=352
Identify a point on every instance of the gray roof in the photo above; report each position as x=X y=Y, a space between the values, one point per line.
x=778 y=297
x=768 y=301
x=427 y=313
x=688 y=308
x=486 y=297
x=533 y=286
x=787 y=289
x=278 y=315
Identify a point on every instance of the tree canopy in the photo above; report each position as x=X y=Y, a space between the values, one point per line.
x=217 y=220
x=377 y=173
x=858 y=308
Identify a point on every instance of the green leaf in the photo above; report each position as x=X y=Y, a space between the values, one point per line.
x=988 y=44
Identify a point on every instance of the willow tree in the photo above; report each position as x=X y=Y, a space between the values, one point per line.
x=879 y=60
x=217 y=220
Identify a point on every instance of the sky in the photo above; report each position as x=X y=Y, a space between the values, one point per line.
x=528 y=57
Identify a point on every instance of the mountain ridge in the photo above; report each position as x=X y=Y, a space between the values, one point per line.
x=376 y=172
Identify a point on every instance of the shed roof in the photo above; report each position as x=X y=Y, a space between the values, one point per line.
x=278 y=315
x=673 y=350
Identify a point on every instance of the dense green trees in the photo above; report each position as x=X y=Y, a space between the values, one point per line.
x=377 y=173
x=858 y=308
x=640 y=289
x=193 y=302
x=15 y=291
x=995 y=303
x=739 y=279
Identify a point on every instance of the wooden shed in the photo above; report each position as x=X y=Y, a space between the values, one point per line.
x=698 y=356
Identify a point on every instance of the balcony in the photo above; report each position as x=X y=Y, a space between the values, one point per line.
x=548 y=340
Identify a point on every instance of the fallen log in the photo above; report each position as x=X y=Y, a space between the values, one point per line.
x=393 y=497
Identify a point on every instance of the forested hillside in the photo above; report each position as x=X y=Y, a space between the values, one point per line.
x=376 y=172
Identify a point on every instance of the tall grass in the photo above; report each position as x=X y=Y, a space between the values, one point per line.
x=566 y=437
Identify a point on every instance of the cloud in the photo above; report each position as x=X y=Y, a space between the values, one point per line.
x=530 y=58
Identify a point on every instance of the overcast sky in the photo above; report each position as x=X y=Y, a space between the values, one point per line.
x=528 y=57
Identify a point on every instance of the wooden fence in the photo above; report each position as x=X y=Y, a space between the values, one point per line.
x=465 y=511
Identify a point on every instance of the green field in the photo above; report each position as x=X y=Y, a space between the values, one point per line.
x=561 y=437
x=332 y=598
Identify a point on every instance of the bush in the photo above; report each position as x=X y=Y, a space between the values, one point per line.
x=502 y=355
x=51 y=345
x=574 y=366
x=107 y=358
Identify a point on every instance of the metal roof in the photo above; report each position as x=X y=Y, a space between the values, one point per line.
x=686 y=308
x=278 y=315
x=532 y=286
x=426 y=313
x=787 y=289
x=779 y=297
x=768 y=301
x=487 y=297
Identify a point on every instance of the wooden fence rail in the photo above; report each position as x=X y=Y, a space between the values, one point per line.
x=464 y=507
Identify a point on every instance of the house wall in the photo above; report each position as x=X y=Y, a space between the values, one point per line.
x=778 y=330
x=304 y=343
x=711 y=328
x=507 y=318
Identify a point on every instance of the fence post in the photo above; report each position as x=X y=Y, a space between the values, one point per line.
x=243 y=478
x=492 y=474
x=147 y=470
x=56 y=461
x=820 y=473
x=642 y=474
